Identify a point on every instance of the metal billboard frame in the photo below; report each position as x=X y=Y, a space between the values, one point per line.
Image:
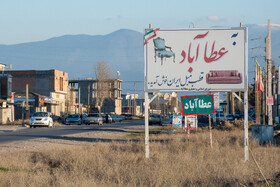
x=245 y=90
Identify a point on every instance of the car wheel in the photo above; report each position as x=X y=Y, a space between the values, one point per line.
x=50 y=124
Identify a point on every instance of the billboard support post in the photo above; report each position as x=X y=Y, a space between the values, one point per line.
x=147 y=104
x=246 y=141
x=210 y=131
x=147 y=124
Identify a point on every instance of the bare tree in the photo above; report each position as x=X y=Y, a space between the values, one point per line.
x=104 y=75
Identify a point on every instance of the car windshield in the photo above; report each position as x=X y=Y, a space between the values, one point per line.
x=155 y=115
x=93 y=115
x=40 y=114
x=74 y=116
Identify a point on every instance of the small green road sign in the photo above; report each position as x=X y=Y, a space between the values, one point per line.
x=197 y=104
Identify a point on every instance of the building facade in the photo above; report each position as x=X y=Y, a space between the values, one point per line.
x=88 y=91
x=52 y=85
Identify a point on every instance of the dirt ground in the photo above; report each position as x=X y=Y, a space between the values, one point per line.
x=47 y=143
x=66 y=140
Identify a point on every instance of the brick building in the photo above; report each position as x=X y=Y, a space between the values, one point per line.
x=52 y=85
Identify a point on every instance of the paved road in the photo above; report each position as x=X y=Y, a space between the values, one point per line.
x=59 y=132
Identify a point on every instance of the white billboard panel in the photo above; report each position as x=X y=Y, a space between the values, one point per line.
x=211 y=59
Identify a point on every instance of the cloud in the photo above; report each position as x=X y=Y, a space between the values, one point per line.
x=213 y=18
x=273 y=26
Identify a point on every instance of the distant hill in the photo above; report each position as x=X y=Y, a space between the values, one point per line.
x=77 y=54
x=122 y=50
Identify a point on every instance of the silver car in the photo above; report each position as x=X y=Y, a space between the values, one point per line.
x=116 y=118
x=41 y=119
x=155 y=119
x=74 y=119
x=94 y=118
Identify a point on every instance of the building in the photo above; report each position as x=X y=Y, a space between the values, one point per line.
x=2 y=67
x=132 y=104
x=89 y=90
x=48 y=87
x=6 y=110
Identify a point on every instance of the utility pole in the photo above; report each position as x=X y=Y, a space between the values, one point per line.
x=88 y=99
x=257 y=94
x=269 y=80
x=134 y=107
x=232 y=108
x=263 y=98
x=278 y=92
x=27 y=103
x=228 y=103
x=79 y=100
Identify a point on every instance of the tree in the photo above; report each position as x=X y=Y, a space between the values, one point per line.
x=104 y=76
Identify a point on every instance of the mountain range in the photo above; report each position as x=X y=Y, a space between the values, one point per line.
x=122 y=50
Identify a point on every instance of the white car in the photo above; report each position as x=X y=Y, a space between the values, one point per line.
x=41 y=119
x=94 y=118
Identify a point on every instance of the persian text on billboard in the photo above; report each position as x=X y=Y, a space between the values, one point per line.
x=196 y=59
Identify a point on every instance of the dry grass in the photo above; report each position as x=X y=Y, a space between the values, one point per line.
x=173 y=162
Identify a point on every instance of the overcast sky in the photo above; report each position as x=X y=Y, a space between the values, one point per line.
x=35 y=20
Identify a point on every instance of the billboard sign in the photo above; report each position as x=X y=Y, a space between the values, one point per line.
x=197 y=105
x=216 y=100
x=269 y=100
x=211 y=59
x=177 y=121
x=192 y=122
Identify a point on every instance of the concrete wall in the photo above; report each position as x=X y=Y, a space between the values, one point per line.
x=42 y=83
x=6 y=115
x=85 y=95
x=58 y=107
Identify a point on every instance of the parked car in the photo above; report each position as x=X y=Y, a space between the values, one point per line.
x=41 y=119
x=60 y=119
x=230 y=117
x=109 y=118
x=74 y=119
x=83 y=116
x=94 y=118
x=127 y=116
x=116 y=118
x=122 y=116
x=219 y=116
x=155 y=119
x=203 y=118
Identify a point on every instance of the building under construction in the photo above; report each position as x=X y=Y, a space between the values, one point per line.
x=88 y=90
